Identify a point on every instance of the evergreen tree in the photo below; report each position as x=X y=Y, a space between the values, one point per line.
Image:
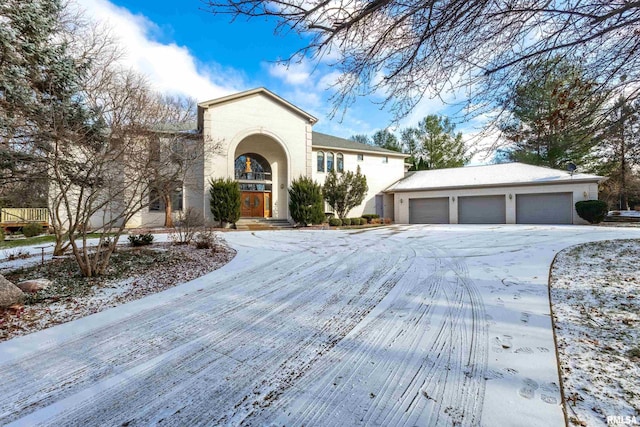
x=361 y=138
x=385 y=139
x=434 y=144
x=305 y=201
x=38 y=83
x=224 y=200
x=345 y=192
x=552 y=115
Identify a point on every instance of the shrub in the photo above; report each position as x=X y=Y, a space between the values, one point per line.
x=224 y=200
x=369 y=217
x=205 y=239
x=305 y=201
x=185 y=226
x=335 y=222
x=1 y=234
x=593 y=211
x=344 y=192
x=356 y=221
x=141 y=239
x=346 y=221
x=32 y=229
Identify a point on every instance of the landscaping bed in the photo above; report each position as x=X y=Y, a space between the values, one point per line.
x=596 y=307
x=133 y=273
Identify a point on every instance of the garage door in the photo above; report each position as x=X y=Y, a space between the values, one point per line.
x=546 y=208
x=481 y=210
x=429 y=211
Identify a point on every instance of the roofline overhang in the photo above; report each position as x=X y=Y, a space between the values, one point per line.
x=356 y=150
x=236 y=96
x=508 y=185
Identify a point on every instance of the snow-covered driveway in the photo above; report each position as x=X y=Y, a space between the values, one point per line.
x=402 y=325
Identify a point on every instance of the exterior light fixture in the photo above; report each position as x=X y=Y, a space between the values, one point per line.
x=453 y=199
x=401 y=201
x=510 y=196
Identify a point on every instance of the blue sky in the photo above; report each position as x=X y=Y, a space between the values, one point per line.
x=185 y=49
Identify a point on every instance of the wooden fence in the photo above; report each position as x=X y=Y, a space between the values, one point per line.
x=16 y=217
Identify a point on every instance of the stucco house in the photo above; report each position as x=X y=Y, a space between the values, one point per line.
x=265 y=142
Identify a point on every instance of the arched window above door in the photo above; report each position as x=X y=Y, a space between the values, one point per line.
x=253 y=167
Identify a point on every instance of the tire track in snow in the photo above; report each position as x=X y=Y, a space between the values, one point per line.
x=389 y=374
x=256 y=371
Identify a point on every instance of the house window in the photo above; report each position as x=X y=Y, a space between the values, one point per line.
x=156 y=202
x=320 y=161
x=385 y=159
x=360 y=157
x=340 y=162
x=329 y=162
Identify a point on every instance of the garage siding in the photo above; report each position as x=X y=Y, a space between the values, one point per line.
x=544 y=208
x=429 y=211
x=482 y=210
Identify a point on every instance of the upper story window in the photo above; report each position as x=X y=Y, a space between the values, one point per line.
x=385 y=159
x=340 y=162
x=329 y=162
x=320 y=161
x=360 y=157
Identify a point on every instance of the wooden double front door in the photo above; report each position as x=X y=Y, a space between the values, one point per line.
x=256 y=204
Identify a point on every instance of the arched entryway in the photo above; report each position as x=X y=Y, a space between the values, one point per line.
x=253 y=173
x=261 y=169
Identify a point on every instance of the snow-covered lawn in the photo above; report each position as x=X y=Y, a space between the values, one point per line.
x=401 y=325
x=596 y=305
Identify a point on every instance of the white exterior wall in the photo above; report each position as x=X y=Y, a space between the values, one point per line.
x=379 y=175
x=280 y=129
x=581 y=191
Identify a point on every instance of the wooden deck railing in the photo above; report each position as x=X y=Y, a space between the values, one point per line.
x=21 y=216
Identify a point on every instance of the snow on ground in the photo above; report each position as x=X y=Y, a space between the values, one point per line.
x=594 y=291
x=400 y=325
x=187 y=263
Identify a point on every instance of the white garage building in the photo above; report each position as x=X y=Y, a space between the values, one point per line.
x=511 y=193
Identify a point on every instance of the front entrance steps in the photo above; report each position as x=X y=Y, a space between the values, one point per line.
x=263 y=224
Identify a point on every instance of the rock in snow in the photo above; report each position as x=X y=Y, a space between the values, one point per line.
x=34 y=285
x=10 y=294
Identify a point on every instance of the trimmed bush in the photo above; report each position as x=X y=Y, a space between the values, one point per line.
x=593 y=211
x=141 y=239
x=305 y=201
x=31 y=230
x=1 y=234
x=346 y=221
x=224 y=200
x=335 y=222
x=370 y=217
x=357 y=221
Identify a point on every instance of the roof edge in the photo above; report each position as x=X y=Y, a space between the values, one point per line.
x=260 y=90
x=597 y=180
x=356 y=150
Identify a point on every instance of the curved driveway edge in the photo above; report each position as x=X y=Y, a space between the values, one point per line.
x=401 y=325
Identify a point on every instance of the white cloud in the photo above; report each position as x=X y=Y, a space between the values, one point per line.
x=170 y=68
x=296 y=74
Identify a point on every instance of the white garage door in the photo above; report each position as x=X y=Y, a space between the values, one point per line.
x=481 y=210
x=429 y=211
x=545 y=208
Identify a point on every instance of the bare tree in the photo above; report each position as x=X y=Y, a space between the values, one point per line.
x=416 y=48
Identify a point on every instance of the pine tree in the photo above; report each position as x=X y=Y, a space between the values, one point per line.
x=434 y=144
x=552 y=115
x=305 y=201
x=224 y=200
